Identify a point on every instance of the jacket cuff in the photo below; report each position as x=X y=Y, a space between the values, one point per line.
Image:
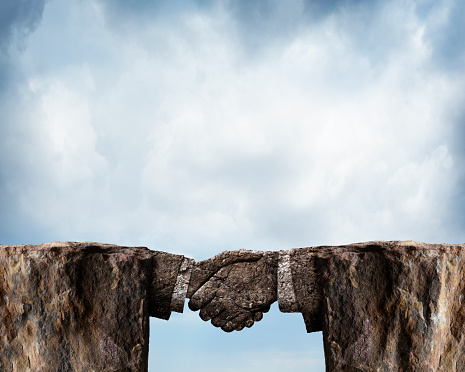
x=286 y=296
x=164 y=274
x=182 y=284
x=307 y=289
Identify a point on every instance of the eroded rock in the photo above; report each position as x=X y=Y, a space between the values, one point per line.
x=382 y=306
x=391 y=306
x=74 y=307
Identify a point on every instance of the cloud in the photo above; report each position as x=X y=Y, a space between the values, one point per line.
x=311 y=143
x=17 y=20
x=258 y=25
x=445 y=27
x=375 y=27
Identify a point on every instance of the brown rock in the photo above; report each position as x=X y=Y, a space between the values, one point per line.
x=75 y=307
x=382 y=306
x=389 y=306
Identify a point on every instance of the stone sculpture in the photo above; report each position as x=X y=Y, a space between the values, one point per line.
x=239 y=292
x=85 y=306
x=382 y=306
x=81 y=306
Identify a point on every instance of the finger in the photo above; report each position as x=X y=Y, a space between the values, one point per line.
x=227 y=258
x=249 y=323
x=238 y=322
x=228 y=327
x=211 y=310
x=241 y=255
x=203 y=270
x=204 y=295
x=203 y=274
x=228 y=315
x=258 y=316
x=265 y=308
x=221 y=319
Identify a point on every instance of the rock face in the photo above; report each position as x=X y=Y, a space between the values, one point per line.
x=74 y=307
x=391 y=306
x=382 y=306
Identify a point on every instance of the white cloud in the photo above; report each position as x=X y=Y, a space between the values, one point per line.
x=64 y=120
x=206 y=149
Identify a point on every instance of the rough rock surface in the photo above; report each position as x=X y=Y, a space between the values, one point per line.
x=74 y=307
x=382 y=306
x=390 y=306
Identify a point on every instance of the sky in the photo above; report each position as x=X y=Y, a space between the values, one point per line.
x=194 y=127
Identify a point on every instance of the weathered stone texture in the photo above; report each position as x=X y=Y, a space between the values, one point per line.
x=74 y=307
x=382 y=306
x=392 y=306
x=234 y=289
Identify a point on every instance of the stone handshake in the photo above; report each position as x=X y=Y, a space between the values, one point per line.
x=234 y=289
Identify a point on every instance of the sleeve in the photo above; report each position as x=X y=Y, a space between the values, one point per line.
x=182 y=284
x=286 y=295
x=168 y=284
x=307 y=291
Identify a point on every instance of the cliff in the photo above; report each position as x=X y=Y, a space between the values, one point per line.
x=382 y=306
x=391 y=306
x=74 y=307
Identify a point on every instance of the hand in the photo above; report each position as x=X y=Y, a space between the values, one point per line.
x=204 y=270
x=239 y=292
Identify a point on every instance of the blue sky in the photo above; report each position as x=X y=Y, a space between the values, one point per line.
x=199 y=126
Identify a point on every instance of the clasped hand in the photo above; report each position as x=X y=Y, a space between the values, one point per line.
x=234 y=288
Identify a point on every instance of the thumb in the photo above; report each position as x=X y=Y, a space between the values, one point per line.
x=207 y=292
x=204 y=270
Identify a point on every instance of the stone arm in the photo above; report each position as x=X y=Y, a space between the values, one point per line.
x=175 y=277
x=169 y=282
x=299 y=287
x=235 y=288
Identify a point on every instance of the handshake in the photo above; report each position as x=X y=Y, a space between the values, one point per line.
x=234 y=289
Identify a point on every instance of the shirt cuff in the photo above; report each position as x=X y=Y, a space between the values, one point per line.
x=286 y=295
x=182 y=283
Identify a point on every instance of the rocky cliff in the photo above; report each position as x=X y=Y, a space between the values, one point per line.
x=389 y=306
x=382 y=306
x=74 y=307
